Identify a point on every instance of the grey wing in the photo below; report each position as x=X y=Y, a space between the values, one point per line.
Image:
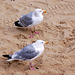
x=26 y=20
x=27 y=53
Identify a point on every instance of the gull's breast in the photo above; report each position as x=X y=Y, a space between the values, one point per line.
x=40 y=49
x=37 y=20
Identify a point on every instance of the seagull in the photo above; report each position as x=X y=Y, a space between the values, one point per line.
x=29 y=52
x=31 y=19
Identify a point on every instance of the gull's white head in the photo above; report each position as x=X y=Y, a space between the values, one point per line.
x=41 y=42
x=39 y=11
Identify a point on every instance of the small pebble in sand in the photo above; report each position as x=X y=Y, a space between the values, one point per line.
x=12 y=0
x=37 y=68
x=30 y=3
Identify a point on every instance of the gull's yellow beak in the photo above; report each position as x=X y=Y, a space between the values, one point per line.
x=46 y=42
x=44 y=11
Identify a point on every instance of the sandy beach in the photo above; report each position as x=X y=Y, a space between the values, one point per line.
x=58 y=28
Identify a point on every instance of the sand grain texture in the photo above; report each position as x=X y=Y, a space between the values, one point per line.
x=58 y=27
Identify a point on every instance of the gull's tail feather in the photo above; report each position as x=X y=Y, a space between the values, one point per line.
x=17 y=24
x=8 y=56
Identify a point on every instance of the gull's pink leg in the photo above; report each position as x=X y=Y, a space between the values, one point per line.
x=36 y=31
x=31 y=36
x=31 y=66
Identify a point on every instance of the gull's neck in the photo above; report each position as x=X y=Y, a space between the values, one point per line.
x=38 y=45
x=37 y=15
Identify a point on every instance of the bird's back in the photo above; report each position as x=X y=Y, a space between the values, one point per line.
x=27 y=53
x=26 y=20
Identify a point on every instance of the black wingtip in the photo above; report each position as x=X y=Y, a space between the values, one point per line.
x=17 y=24
x=6 y=56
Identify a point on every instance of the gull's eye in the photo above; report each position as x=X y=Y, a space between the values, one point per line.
x=42 y=42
